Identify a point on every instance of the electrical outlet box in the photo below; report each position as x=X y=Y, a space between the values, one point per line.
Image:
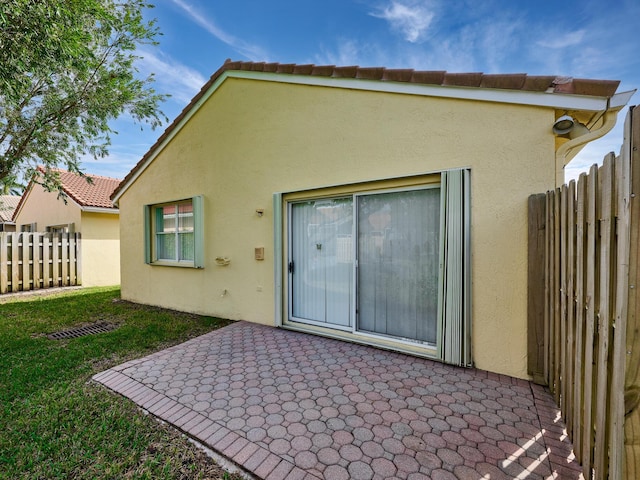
x=259 y=253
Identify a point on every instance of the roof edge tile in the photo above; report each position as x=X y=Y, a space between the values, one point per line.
x=518 y=81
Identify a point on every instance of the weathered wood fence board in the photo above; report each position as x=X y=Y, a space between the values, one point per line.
x=31 y=260
x=537 y=239
x=585 y=315
x=632 y=367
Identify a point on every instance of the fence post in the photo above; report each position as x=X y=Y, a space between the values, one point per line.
x=557 y=300
x=632 y=370
x=589 y=306
x=64 y=242
x=601 y=460
x=578 y=394
x=78 y=258
x=564 y=271
x=536 y=290
x=15 y=263
x=72 y=259
x=4 y=267
x=55 y=260
x=569 y=378
x=36 y=259
x=26 y=260
x=616 y=411
x=45 y=238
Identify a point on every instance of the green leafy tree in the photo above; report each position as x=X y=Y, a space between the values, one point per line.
x=67 y=69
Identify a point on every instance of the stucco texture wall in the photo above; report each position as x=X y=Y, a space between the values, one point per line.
x=100 y=249
x=252 y=139
x=46 y=209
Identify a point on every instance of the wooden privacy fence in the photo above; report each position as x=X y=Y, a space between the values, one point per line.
x=30 y=261
x=583 y=325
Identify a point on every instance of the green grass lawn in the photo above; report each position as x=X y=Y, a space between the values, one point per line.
x=55 y=423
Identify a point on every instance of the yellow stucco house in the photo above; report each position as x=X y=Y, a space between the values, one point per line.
x=385 y=207
x=89 y=211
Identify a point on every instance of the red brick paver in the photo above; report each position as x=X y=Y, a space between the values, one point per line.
x=286 y=405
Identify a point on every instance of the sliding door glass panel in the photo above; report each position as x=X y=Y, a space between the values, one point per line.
x=321 y=263
x=398 y=264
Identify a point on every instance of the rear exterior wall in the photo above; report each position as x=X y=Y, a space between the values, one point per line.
x=252 y=139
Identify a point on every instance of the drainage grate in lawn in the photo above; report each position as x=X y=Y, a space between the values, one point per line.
x=101 y=327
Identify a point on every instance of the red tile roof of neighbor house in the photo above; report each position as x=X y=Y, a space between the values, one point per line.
x=96 y=193
x=518 y=81
x=8 y=204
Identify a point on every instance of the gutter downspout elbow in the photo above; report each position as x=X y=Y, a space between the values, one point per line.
x=610 y=118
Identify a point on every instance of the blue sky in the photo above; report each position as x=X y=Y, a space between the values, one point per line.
x=583 y=39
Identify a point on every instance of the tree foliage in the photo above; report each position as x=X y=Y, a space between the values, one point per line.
x=67 y=68
x=11 y=185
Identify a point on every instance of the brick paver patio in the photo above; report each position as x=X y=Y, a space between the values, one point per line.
x=287 y=405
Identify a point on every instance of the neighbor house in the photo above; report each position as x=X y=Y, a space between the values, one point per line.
x=384 y=207
x=85 y=208
x=8 y=204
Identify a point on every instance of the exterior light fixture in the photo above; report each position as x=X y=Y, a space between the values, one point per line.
x=578 y=130
x=563 y=125
x=567 y=125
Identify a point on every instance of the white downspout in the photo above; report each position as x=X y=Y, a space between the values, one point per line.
x=610 y=118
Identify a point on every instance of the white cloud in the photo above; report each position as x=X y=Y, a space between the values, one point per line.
x=349 y=52
x=171 y=76
x=252 y=52
x=116 y=165
x=497 y=41
x=412 y=19
x=564 y=40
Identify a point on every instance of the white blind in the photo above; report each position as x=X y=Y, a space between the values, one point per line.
x=398 y=253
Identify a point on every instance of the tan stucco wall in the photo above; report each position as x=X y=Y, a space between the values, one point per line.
x=45 y=209
x=100 y=249
x=100 y=233
x=252 y=139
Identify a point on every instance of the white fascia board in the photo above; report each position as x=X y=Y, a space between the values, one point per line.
x=519 y=97
x=114 y=211
x=619 y=100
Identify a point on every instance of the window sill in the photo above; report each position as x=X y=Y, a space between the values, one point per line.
x=169 y=263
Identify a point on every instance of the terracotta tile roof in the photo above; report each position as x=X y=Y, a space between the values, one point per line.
x=95 y=194
x=8 y=204
x=518 y=81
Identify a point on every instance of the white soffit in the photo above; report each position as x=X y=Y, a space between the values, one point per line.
x=100 y=210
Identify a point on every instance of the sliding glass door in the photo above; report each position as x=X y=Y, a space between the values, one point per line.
x=389 y=267
x=399 y=263
x=321 y=262
x=397 y=252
